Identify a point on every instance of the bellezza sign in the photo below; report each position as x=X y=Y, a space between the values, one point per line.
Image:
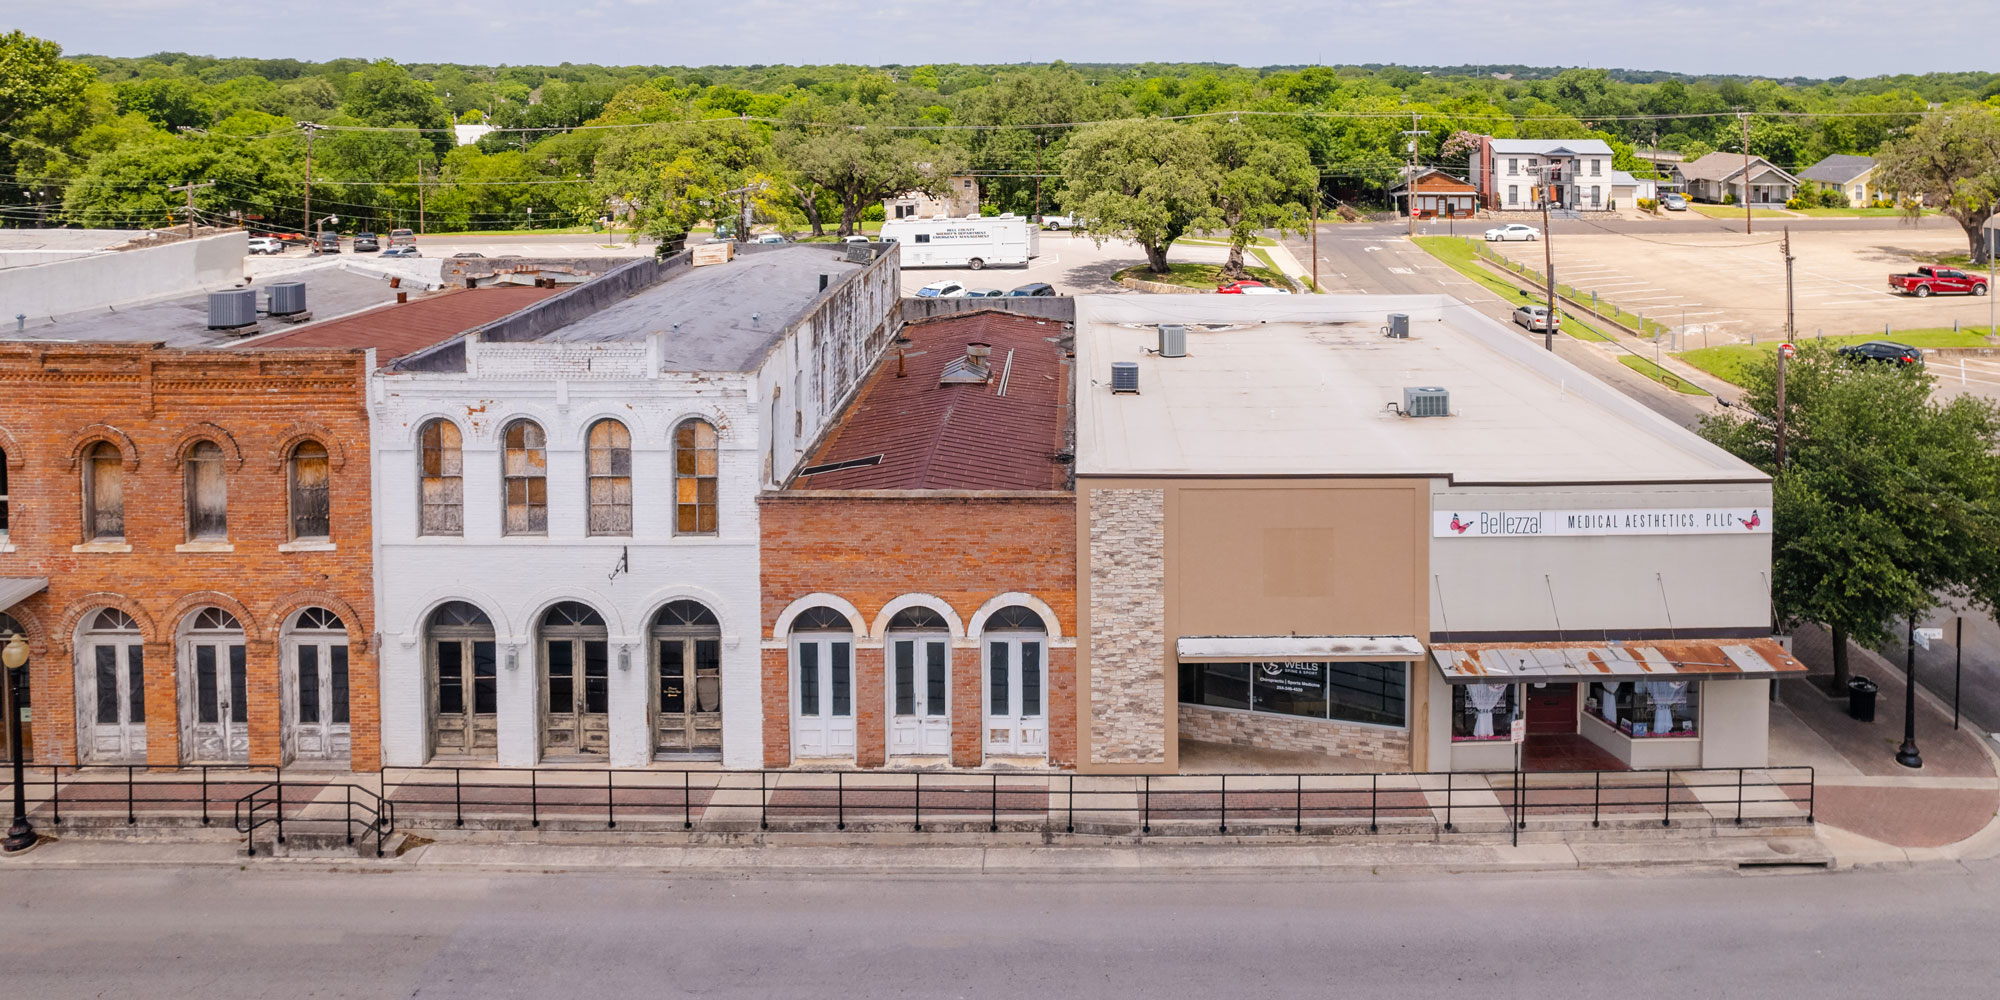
x=1465 y=523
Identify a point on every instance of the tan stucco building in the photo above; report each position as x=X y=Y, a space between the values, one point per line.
x=1303 y=535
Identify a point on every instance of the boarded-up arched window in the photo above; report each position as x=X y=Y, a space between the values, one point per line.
x=525 y=475
x=311 y=492
x=104 y=494
x=440 y=465
x=610 y=476
x=694 y=478
x=207 y=493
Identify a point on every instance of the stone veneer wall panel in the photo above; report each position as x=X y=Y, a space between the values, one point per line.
x=1127 y=626
x=1277 y=732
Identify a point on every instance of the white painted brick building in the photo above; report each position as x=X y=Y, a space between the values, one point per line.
x=753 y=349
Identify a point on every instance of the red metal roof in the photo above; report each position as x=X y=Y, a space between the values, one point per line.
x=962 y=436
x=397 y=330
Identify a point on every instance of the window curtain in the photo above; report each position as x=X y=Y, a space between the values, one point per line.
x=1665 y=695
x=1608 y=706
x=1485 y=698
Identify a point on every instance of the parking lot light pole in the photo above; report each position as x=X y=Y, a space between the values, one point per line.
x=1907 y=754
x=21 y=835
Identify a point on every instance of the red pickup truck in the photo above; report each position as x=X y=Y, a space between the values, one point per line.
x=1928 y=281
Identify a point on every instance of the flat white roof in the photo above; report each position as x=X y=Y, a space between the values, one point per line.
x=1303 y=385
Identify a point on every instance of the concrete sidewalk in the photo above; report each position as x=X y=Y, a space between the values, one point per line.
x=1870 y=809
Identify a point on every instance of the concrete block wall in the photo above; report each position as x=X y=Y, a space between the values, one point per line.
x=1128 y=617
x=67 y=286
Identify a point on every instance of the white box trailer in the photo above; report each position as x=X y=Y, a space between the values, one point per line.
x=972 y=242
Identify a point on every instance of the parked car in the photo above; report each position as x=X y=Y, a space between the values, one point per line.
x=1927 y=281
x=467 y=253
x=266 y=244
x=1034 y=288
x=856 y=238
x=1883 y=350
x=366 y=243
x=1266 y=290
x=942 y=290
x=1237 y=287
x=402 y=238
x=1513 y=231
x=291 y=238
x=1059 y=222
x=1674 y=203
x=327 y=243
x=770 y=238
x=985 y=293
x=404 y=250
x=1535 y=317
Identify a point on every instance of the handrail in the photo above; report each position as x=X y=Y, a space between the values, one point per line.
x=378 y=815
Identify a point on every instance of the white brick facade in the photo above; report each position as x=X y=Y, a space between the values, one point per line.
x=765 y=418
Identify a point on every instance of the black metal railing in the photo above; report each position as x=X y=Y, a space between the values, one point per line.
x=659 y=799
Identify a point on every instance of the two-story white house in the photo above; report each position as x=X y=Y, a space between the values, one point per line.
x=566 y=522
x=1517 y=174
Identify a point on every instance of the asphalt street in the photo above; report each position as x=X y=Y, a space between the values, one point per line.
x=290 y=933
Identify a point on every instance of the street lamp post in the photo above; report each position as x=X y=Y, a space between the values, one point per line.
x=1907 y=754
x=21 y=835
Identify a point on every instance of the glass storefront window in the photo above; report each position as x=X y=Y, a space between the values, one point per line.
x=1648 y=709
x=1481 y=712
x=1372 y=693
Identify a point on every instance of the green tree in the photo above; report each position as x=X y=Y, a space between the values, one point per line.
x=861 y=163
x=1889 y=498
x=386 y=95
x=1953 y=162
x=1148 y=180
x=43 y=103
x=1266 y=184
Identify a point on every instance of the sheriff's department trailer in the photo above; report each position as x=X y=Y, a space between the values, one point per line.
x=969 y=242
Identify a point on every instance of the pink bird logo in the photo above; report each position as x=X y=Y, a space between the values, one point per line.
x=1752 y=523
x=1458 y=525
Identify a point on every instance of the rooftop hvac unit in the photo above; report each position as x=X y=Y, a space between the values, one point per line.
x=1173 y=340
x=1399 y=326
x=288 y=298
x=1426 y=401
x=231 y=309
x=1124 y=376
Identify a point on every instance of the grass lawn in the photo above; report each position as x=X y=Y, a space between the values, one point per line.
x=1728 y=363
x=1660 y=375
x=1735 y=211
x=1855 y=213
x=1202 y=276
x=1461 y=257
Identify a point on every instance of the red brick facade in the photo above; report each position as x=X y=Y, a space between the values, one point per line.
x=963 y=549
x=58 y=400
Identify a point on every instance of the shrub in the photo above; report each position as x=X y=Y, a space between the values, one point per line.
x=1729 y=199
x=1649 y=205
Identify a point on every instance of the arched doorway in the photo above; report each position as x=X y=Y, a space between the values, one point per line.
x=111 y=688
x=214 y=689
x=464 y=695
x=822 y=684
x=576 y=680
x=16 y=715
x=687 y=673
x=919 y=649
x=1015 y=642
x=315 y=651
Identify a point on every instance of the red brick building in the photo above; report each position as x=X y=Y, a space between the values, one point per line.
x=919 y=575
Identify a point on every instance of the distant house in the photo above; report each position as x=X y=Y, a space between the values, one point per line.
x=1517 y=174
x=1437 y=195
x=959 y=198
x=1627 y=189
x=1717 y=176
x=1854 y=176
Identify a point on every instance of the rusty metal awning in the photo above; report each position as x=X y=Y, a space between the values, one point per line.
x=1716 y=659
x=1260 y=648
x=15 y=589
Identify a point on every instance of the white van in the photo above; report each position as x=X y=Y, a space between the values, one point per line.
x=972 y=242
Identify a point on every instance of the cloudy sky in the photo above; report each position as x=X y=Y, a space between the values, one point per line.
x=1815 y=38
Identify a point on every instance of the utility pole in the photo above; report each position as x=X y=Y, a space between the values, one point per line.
x=1410 y=180
x=1746 y=171
x=420 y=194
x=1315 y=246
x=191 y=187
x=1784 y=351
x=1790 y=333
x=311 y=130
x=1548 y=173
x=1992 y=299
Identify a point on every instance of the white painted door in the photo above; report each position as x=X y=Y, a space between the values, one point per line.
x=218 y=722
x=823 y=697
x=320 y=729
x=1016 y=682
x=113 y=678
x=920 y=696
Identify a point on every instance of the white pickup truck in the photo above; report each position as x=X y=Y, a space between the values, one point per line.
x=1059 y=222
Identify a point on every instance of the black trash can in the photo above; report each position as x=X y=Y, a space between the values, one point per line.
x=1861 y=699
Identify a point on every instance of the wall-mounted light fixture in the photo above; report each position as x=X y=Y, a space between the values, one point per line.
x=625 y=658
x=513 y=658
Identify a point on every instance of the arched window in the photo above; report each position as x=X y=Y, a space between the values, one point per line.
x=919 y=650
x=918 y=617
x=823 y=684
x=311 y=494
x=694 y=478
x=687 y=645
x=207 y=493
x=442 y=505
x=104 y=493
x=525 y=474
x=1015 y=617
x=610 y=474
x=464 y=696
x=576 y=679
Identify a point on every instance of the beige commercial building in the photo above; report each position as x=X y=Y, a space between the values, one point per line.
x=1309 y=528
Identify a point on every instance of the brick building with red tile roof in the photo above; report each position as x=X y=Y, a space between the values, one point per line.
x=919 y=573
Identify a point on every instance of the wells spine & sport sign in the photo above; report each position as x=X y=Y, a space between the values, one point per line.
x=1538 y=523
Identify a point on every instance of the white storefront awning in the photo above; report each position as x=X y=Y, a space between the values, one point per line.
x=1261 y=648
x=15 y=589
